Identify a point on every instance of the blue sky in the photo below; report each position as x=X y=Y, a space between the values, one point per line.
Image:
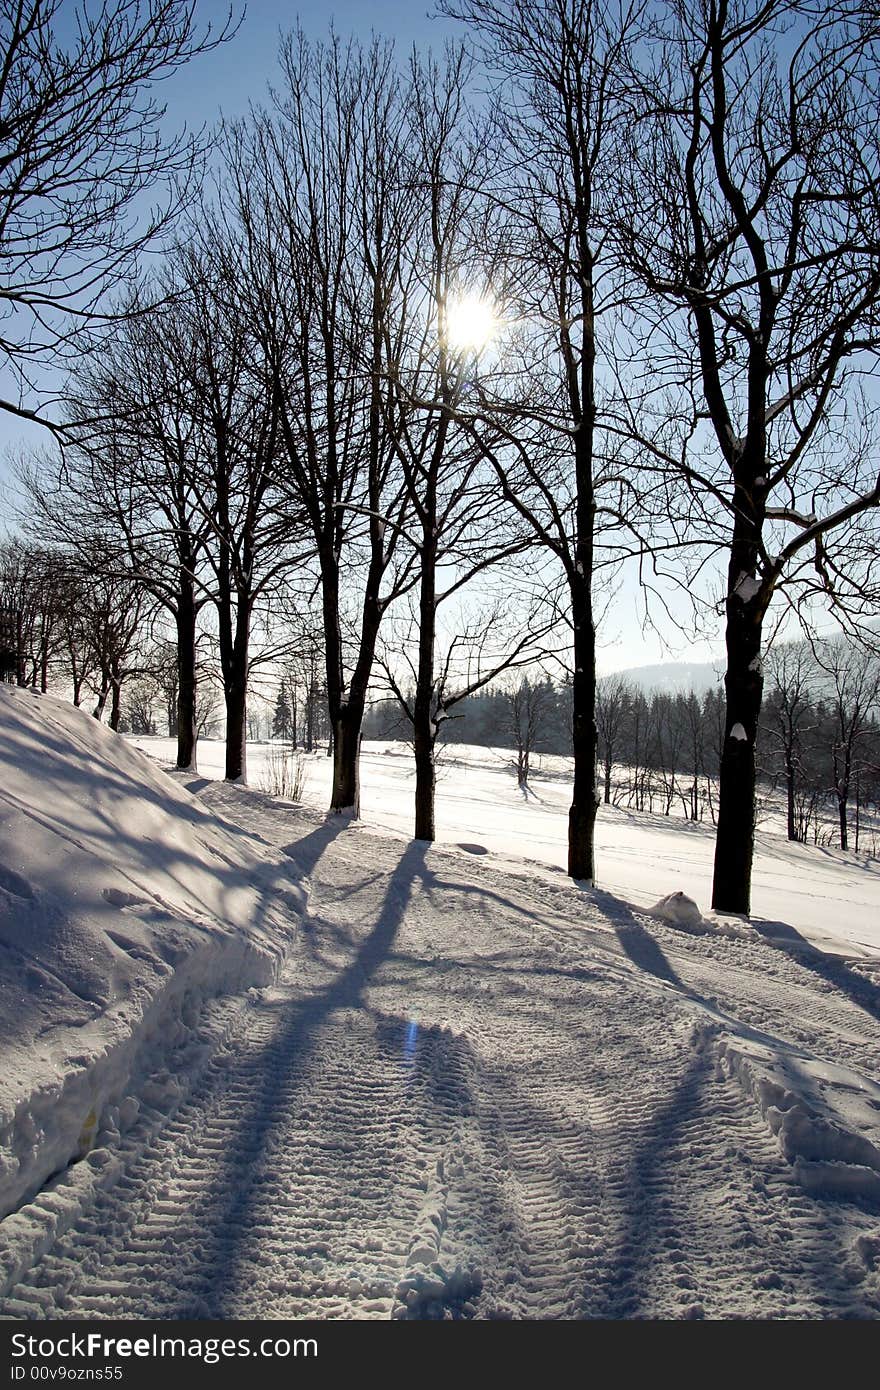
x=224 y=82
x=233 y=75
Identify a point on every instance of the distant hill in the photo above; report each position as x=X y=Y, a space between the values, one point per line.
x=674 y=677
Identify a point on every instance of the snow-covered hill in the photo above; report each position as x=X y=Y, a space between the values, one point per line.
x=674 y=677
x=124 y=906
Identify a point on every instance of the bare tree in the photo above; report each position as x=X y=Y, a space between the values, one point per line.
x=303 y=667
x=115 y=631
x=750 y=204
x=855 y=705
x=527 y=703
x=252 y=539
x=613 y=701
x=82 y=148
x=791 y=681
x=563 y=100
x=458 y=531
x=34 y=584
x=135 y=469
x=322 y=216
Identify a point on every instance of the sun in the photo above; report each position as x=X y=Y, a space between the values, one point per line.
x=471 y=323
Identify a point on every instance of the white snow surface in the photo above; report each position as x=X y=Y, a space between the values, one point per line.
x=124 y=905
x=476 y=1090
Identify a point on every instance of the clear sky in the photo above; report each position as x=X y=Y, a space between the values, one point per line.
x=224 y=82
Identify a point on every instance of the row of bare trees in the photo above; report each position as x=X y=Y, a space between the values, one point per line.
x=698 y=187
x=821 y=731
x=277 y=415
x=70 y=624
x=660 y=751
x=671 y=210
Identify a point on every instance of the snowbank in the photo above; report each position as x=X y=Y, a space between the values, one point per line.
x=124 y=906
x=826 y=1117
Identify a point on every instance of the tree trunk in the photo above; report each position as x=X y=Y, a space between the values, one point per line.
x=425 y=782
x=424 y=724
x=843 y=790
x=234 y=658
x=343 y=743
x=522 y=765
x=235 y=696
x=102 y=698
x=233 y=633
x=789 y=795
x=842 y=800
x=744 y=684
x=584 y=804
x=346 y=705
x=585 y=736
x=116 y=702
x=187 y=732
x=346 y=793
x=311 y=701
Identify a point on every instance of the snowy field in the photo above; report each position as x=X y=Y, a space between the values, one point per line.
x=830 y=898
x=317 y=1070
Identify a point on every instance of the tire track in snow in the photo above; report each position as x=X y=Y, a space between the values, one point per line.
x=279 y=1188
x=278 y=1191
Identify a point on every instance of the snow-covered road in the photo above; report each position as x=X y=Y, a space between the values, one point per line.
x=473 y=1093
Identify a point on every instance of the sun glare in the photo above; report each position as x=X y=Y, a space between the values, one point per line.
x=472 y=323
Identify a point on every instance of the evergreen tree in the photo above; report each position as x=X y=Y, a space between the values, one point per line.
x=282 y=722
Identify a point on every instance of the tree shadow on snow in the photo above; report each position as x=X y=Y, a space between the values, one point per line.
x=832 y=968
x=638 y=944
x=228 y=1211
x=307 y=851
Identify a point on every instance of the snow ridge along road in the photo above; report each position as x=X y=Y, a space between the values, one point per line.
x=477 y=1094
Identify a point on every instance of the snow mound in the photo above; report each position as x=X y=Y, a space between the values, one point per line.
x=826 y=1117
x=679 y=910
x=124 y=906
